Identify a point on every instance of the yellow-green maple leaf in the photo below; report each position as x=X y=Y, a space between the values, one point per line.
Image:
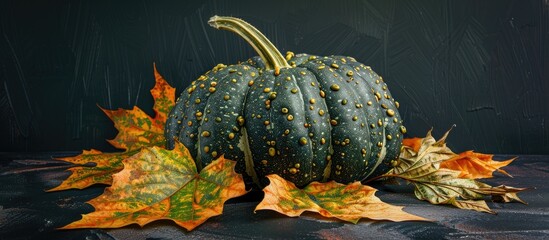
x=349 y=202
x=135 y=128
x=106 y=164
x=164 y=184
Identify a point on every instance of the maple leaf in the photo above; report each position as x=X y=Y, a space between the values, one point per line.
x=136 y=130
x=81 y=177
x=346 y=202
x=413 y=143
x=508 y=194
x=164 y=184
x=424 y=151
x=471 y=165
x=441 y=185
x=475 y=165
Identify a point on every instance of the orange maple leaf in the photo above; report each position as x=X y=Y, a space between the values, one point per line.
x=136 y=130
x=164 y=184
x=346 y=202
x=413 y=143
x=471 y=165
x=475 y=165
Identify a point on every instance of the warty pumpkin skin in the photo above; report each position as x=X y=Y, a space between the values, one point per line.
x=304 y=117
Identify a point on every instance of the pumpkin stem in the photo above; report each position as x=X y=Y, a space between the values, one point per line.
x=267 y=51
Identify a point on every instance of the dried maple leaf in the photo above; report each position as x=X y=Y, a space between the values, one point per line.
x=444 y=186
x=428 y=152
x=346 y=202
x=508 y=194
x=475 y=165
x=164 y=184
x=136 y=130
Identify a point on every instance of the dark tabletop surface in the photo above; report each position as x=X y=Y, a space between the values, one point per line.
x=28 y=212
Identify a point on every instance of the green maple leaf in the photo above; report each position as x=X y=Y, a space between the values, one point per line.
x=135 y=128
x=349 y=202
x=164 y=184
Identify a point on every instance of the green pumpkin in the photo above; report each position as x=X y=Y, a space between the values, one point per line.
x=304 y=117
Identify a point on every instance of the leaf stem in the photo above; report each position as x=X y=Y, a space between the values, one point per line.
x=384 y=176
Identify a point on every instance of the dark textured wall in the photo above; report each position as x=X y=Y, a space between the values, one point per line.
x=482 y=65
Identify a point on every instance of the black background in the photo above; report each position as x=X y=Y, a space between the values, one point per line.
x=482 y=65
